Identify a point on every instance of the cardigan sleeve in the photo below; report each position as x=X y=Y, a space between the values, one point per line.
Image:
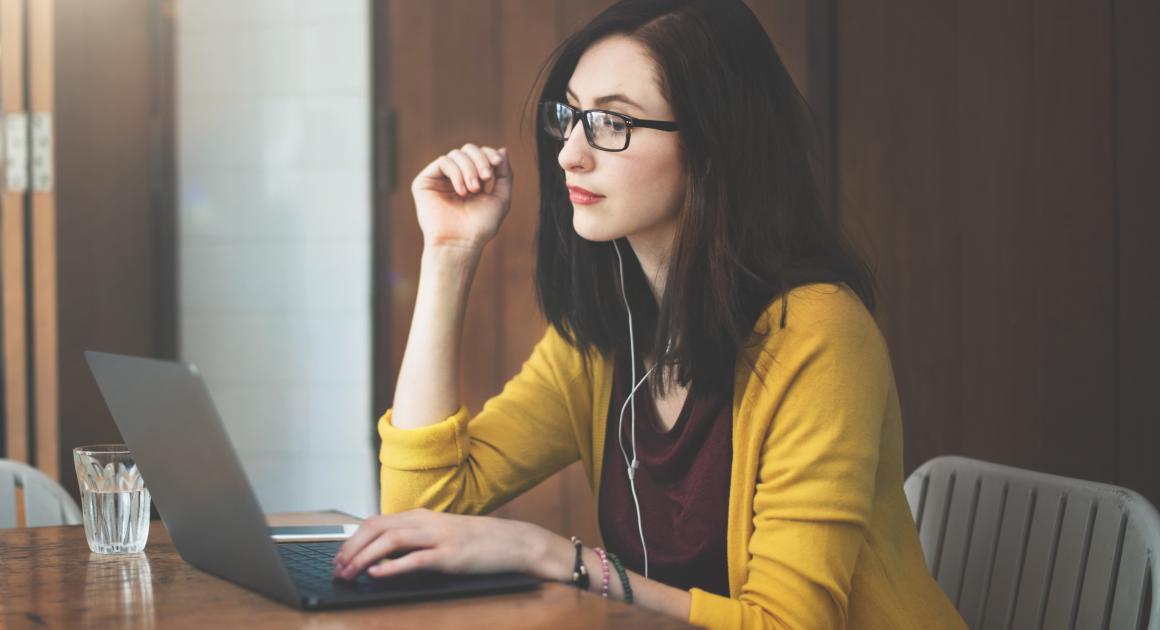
x=472 y=465
x=825 y=384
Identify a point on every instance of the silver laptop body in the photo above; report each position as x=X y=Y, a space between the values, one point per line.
x=166 y=416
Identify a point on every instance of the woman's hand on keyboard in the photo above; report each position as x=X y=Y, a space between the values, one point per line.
x=450 y=543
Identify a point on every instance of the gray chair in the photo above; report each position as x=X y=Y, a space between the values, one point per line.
x=45 y=502
x=1019 y=549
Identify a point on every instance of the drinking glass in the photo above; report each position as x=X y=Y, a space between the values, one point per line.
x=114 y=499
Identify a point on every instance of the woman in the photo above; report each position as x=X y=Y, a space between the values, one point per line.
x=711 y=357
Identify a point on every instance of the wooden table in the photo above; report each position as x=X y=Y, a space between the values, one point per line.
x=50 y=579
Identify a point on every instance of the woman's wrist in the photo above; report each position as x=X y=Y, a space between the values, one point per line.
x=456 y=254
x=552 y=557
x=548 y=556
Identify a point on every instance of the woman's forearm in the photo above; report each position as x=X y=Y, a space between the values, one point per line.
x=428 y=387
x=552 y=557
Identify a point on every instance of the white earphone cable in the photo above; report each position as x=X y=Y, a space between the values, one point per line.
x=629 y=403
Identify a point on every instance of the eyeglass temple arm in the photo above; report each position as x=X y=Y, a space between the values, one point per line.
x=663 y=125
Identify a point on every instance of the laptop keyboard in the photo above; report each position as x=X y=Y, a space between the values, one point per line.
x=312 y=568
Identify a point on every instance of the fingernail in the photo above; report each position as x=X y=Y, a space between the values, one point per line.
x=486 y=172
x=475 y=183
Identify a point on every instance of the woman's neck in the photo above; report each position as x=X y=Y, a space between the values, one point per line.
x=653 y=251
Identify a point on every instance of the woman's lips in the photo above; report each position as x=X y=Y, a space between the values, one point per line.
x=584 y=197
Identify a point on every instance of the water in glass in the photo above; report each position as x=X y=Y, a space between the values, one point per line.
x=120 y=520
x=114 y=499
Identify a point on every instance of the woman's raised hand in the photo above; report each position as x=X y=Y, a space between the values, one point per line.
x=462 y=197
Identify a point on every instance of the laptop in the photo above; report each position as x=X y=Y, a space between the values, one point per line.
x=167 y=418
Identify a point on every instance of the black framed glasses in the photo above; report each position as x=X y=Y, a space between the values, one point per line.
x=605 y=130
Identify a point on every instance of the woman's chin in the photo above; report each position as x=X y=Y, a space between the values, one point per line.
x=592 y=228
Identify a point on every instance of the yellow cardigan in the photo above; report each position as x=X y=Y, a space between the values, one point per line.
x=819 y=531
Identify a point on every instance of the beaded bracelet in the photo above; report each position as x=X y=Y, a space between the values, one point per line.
x=623 y=577
x=579 y=571
x=603 y=571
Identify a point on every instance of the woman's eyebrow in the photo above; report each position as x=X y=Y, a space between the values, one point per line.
x=602 y=101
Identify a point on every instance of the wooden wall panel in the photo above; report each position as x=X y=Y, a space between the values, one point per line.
x=13 y=249
x=1137 y=158
x=42 y=206
x=403 y=80
x=113 y=267
x=998 y=238
x=898 y=193
x=1074 y=201
x=975 y=158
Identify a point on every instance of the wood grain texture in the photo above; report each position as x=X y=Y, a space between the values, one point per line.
x=13 y=249
x=109 y=278
x=51 y=579
x=1137 y=140
x=976 y=164
x=41 y=98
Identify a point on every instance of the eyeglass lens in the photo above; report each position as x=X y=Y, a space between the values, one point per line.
x=606 y=131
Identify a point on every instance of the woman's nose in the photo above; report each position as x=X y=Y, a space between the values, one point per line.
x=576 y=154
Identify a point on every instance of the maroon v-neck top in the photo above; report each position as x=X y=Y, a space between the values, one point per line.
x=682 y=484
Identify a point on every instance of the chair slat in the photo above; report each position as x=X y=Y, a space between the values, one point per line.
x=44 y=502
x=956 y=541
x=1071 y=556
x=1015 y=548
x=1039 y=557
x=1128 y=602
x=984 y=545
x=41 y=506
x=939 y=493
x=7 y=499
x=1108 y=536
x=1000 y=601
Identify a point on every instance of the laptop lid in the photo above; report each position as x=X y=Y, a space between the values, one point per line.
x=166 y=416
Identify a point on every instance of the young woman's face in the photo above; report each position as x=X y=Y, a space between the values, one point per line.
x=641 y=188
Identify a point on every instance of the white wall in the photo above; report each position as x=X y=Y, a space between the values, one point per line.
x=273 y=102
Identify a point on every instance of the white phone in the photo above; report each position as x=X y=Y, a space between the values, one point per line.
x=312 y=533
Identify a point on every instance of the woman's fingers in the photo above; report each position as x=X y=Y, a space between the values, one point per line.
x=479 y=160
x=470 y=169
x=493 y=156
x=442 y=168
x=467 y=167
x=483 y=166
x=372 y=527
x=386 y=542
x=418 y=559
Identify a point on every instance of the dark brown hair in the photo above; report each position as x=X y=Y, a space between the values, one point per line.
x=752 y=225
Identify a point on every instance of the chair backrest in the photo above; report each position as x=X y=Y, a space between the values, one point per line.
x=1014 y=548
x=45 y=502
